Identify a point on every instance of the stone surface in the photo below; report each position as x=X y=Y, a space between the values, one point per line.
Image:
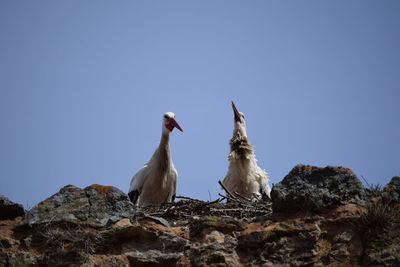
x=22 y=259
x=392 y=189
x=9 y=209
x=200 y=226
x=96 y=204
x=73 y=228
x=310 y=188
x=330 y=239
x=122 y=223
x=113 y=262
x=215 y=252
x=61 y=257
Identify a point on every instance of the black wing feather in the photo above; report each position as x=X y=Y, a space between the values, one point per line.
x=134 y=195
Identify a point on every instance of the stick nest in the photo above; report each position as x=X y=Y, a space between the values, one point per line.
x=189 y=208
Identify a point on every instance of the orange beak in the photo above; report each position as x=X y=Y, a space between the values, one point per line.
x=236 y=113
x=174 y=123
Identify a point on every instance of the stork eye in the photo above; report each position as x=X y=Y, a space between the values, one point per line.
x=243 y=116
x=166 y=116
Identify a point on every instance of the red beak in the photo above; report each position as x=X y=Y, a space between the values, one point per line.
x=174 y=123
x=236 y=112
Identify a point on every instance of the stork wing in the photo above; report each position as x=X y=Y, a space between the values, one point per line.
x=174 y=177
x=137 y=183
x=263 y=180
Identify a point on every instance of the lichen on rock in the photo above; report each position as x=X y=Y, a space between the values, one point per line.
x=95 y=204
x=310 y=188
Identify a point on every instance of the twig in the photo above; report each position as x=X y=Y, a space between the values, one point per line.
x=240 y=209
x=229 y=198
x=167 y=210
x=237 y=201
x=226 y=190
x=365 y=180
x=189 y=198
x=243 y=197
x=222 y=197
x=213 y=202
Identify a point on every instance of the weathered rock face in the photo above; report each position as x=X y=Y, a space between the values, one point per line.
x=69 y=229
x=392 y=189
x=316 y=189
x=9 y=209
x=96 y=204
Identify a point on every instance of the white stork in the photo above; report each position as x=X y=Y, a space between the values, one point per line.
x=244 y=176
x=155 y=182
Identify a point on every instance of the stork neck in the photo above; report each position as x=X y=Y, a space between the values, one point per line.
x=163 y=154
x=240 y=147
x=164 y=142
x=239 y=130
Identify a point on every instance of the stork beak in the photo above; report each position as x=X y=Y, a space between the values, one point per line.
x=236 y=113
x=174 y=123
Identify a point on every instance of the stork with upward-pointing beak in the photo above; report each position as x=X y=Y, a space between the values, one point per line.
x=155 y=182
x=244 y=175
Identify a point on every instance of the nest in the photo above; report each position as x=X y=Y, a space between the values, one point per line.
x=189 y=208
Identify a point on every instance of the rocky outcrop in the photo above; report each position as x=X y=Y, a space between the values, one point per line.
x=331 y=239
x=96 y=205
x=96 y=227
x=9 y=209
x=392 y=189
x=310 y=188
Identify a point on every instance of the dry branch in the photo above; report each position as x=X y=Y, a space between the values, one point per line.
x=189 y=198
x=243 y=197
x=229 y=198
x=227 y=191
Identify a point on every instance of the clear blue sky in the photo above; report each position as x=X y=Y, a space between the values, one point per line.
x=84 y=84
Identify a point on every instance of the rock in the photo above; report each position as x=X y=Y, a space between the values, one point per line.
x=203 y=225
x=316 y=189
x=96 y=205
x=3 y=259
x=146 y=247
x=122 y=223
x=158 y=220
x=287 y=243
x=72 y=228
x=5 y=243
x=215 y=252
x=392 y=189
x=390 y=256
x=153 y=257
x=339 y=252
x=21 y=259
x=72 y=258
x=113 y=262
x=9 y=209
x=108 y=203
x=214 y=241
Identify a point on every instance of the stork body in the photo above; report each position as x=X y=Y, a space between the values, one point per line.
x=244 y=176
x=155 y=183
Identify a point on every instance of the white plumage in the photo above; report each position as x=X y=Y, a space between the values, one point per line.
x=244 y=176
x=155 y=183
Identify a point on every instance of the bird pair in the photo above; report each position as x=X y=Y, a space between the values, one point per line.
x=155 y=183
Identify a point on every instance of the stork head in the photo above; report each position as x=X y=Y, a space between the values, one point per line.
x=169 y=123
x=239 y=121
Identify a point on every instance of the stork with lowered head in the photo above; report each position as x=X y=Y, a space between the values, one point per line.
x=155 y=183
x=244 y=176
